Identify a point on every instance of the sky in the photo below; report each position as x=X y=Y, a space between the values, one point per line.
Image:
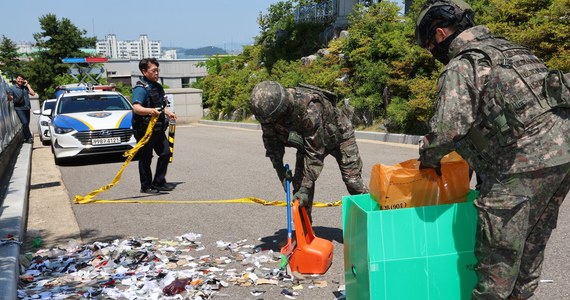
x=175 y=23
x=182 y=23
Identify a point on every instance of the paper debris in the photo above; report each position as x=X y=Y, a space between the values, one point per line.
x=152 y=268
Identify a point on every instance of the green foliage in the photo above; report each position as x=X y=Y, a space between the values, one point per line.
x=283 y=39
x=58 y=39
x=11 y=65
x=227 y=87
x=380 y=52
x=215 y=63
x=542 y=25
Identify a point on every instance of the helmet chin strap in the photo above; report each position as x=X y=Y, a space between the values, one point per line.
x=440 y=51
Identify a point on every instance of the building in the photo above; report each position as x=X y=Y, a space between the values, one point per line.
x=170 y=54
x=131 y=49
x=332 y=11
x=180 y=73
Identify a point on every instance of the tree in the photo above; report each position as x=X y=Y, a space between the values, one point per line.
x=380 y=51
x=282 y=38
x=59 y=39
x=542 y=26
x=11 y=65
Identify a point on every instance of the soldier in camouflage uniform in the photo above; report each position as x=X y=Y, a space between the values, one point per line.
x=492 y=108
x=306 y=118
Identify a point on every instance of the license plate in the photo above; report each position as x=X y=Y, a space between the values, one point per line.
x=106 y=141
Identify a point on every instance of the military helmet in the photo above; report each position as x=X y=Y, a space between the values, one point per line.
x=269 y=101
x=440 y=14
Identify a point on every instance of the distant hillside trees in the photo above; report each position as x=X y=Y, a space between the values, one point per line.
x=205 y=51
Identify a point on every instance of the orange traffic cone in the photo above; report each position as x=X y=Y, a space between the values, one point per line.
x=312 y=255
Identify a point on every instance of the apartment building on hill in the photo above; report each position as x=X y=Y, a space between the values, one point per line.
x=111 y=47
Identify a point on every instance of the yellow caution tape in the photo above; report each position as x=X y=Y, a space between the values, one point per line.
x=171 y=132
x=240 y=200
x=130 y=154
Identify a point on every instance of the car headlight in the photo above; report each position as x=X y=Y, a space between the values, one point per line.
x=44 y=123
x=62 y=130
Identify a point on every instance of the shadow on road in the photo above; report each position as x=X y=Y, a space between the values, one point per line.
x=51 y=240
x=95 y=159
x=327 y=233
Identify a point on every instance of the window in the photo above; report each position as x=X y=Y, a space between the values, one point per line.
x=87 y=103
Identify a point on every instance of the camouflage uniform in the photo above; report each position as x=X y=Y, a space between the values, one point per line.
x=321 y=129
x=527 y=178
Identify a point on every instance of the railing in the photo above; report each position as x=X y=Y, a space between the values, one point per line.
x=323 y=12
x=9 y=123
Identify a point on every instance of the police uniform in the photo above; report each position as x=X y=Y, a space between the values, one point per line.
x=518 y=142
x=150 y=94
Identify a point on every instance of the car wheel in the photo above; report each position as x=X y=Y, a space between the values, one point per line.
x=45 y=142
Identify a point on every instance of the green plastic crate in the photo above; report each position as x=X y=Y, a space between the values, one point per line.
x=413 y=253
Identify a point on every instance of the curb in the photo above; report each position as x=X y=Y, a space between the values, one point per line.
x=367 y=135
x=13 y=221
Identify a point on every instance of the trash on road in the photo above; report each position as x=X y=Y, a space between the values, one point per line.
x=152 y=268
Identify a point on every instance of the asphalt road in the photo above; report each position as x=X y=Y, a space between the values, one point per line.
x=213 y=163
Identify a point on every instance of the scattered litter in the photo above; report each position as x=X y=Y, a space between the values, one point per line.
x=257 y=292
x=289 y=294
x=266 y=281
x=152 y=268
x=298 y=276
x=320 y=283
x=546 y=281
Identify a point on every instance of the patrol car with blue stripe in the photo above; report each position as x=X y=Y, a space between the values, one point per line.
x=90 y=122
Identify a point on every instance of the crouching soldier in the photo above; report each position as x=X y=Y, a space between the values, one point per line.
x=306 y=118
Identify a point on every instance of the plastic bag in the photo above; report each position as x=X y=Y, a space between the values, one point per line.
x=404 y=185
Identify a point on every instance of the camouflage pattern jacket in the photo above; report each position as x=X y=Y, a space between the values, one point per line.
x=461 y=111
x=313 y=127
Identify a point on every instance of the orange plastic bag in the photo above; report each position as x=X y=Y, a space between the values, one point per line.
x=405 y=185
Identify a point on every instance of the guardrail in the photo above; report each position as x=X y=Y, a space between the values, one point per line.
x=9 y=123
x=10 y=127
x=323 y=12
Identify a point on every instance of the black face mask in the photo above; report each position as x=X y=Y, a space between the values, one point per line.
x=440 y=51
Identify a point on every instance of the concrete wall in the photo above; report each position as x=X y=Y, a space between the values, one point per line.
x=187 y=104
x=345 y=8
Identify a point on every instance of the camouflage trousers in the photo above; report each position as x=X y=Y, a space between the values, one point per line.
x=350 y=165
x=517 y=213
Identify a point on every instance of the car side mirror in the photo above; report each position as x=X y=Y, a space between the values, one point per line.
x=46 y=112
x=36 y=112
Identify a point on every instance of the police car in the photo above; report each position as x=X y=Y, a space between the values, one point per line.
x=90 y=122
x=43 y=120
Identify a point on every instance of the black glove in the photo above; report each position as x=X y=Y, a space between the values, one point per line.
x=303 y=196
x=437 y=169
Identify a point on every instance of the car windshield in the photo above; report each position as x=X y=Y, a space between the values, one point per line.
x=86 y=103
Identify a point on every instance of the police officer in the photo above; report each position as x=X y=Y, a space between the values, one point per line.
x=148 y=101
x=491 y=109
x=306 y=118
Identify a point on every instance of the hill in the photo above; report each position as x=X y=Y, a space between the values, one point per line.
x=194 y=52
